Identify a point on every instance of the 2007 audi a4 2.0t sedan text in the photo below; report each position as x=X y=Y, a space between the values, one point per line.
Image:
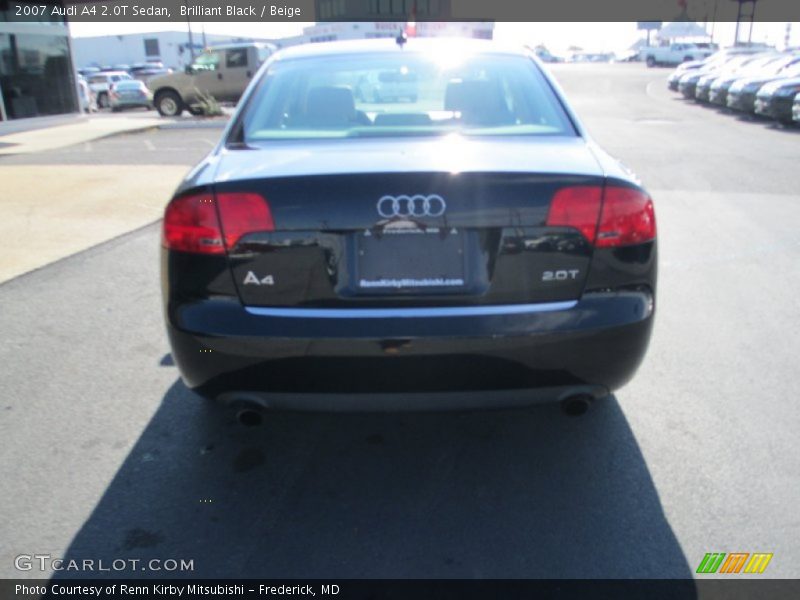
x=336 y=251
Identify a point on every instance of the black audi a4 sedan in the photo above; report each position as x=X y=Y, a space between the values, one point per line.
x=465 y=240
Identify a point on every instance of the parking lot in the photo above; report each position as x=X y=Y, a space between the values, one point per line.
x=108 y=456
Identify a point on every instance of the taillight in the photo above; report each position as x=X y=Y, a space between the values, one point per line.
x=241 y=213
x=627 y=218
x=577 y=207
x=607 y=217
x=193 y=223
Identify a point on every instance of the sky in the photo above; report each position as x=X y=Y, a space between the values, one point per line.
x=593 y=37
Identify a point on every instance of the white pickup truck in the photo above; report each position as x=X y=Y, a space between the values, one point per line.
x=675 y=54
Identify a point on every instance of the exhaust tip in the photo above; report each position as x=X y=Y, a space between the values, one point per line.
x=577 y=405
x=250 y=417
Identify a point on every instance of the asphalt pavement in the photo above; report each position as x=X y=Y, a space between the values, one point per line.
x=106 y=455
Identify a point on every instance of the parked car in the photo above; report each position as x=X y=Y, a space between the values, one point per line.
x=796 y=109
x=544 y=55
x=718 y=84
x=592 y=57
x=707 y=67
x=775 y=99
x=145 y=66
x=682 y=69
x=687 y=84
x=702 y=88
x=710 y=68
x=88 y=71
x=325 y=246
x=718 y=93
x=101 y=82
x=741 y=92
x=221 y=71
x=705 y=80
x=675 y=54
x=130 y=93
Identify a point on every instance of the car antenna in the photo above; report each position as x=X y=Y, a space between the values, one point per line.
x=401 y=39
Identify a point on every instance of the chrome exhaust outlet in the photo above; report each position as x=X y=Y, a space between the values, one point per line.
x=576 y=405
x=250 y=416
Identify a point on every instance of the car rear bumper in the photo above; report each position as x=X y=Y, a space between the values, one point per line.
x=551 y=350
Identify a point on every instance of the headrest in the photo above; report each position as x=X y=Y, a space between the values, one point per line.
x=330 y=106
x=479 y=101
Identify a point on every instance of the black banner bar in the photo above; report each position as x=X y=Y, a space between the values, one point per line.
x=408 y=10
x=382 y=589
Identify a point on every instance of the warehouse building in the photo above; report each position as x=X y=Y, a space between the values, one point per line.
x=328 y=32
x=173 y=48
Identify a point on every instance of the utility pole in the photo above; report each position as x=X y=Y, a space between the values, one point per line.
x=189 y=25
x=714 y=20
x=740 y=13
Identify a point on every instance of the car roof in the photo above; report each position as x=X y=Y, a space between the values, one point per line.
x=389 y=45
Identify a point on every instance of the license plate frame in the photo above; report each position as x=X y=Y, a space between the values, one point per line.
x=411 y=261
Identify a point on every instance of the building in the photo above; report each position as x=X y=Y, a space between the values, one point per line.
x=328 y=32
x=36 y=71
x=173 y=47
x=170 y=47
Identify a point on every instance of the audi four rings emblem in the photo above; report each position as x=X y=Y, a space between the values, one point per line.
x=411 y=206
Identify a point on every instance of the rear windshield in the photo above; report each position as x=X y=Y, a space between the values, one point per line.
x=402 y=94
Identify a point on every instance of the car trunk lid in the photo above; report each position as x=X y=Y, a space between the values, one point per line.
x=377 y=224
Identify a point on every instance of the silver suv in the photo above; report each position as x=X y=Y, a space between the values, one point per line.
x=222 y=72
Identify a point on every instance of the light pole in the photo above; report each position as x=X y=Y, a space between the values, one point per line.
x=191 y=41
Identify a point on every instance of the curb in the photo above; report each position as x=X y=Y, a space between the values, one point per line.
x=103 y=136
x=221 y=124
